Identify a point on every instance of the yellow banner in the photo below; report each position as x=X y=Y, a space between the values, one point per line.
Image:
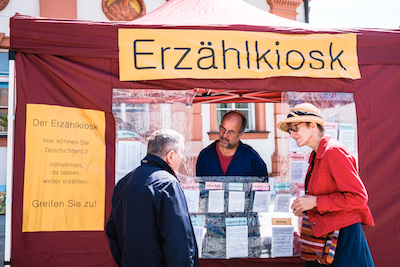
x=64 y=182
x=148 y=54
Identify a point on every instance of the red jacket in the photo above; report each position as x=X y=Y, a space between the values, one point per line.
x=341 y=195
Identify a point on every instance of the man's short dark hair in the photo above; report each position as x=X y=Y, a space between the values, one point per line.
x=163 y=141
x=235 y=112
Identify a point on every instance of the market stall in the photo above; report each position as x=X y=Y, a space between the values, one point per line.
x=66 y=71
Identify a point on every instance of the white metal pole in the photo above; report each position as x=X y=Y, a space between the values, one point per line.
x=10 y=157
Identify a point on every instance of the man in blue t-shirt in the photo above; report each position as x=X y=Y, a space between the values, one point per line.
x=229 y=156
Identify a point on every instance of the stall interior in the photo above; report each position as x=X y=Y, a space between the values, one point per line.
x=233 y=216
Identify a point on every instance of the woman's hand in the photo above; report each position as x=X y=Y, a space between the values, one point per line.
x=303 y=204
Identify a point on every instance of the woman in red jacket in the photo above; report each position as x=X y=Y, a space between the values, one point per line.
x=335 y=197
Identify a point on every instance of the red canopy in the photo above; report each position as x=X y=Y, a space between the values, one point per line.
x=75 y=63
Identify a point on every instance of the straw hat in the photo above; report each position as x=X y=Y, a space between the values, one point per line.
x=304 y=112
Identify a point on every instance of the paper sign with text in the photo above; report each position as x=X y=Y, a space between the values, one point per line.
x=213 y=186
x=235 y=186
x=260 y=187
x=64 y=181
x=281 y=221
x=190 y=186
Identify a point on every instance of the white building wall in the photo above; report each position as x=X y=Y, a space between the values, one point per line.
x=25 y=7
x=301 y=13
x=90 y=10
x=205 y=115
x=261 y=4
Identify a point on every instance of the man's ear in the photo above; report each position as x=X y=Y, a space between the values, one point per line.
x=169 y=156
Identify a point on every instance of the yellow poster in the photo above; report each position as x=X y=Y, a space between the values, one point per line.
x=64 y=182
x=148 y=54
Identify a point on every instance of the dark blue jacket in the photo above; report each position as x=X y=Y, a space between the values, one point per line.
x=245 y=162
x=149 y=224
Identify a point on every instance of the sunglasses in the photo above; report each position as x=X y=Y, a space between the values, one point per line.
x=293 y=128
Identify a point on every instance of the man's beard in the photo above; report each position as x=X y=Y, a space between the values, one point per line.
x=227 y=145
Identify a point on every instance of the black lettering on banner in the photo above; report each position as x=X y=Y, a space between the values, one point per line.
x=287 y=59
x=224 y=52
x=162 y=56
x=278 y=57
x=318 y=59
x=181 y=59
x=248 y=54
x=209 y=58
x=136 y=54
x=336 y=58
x=212 y=56
x=262 y=57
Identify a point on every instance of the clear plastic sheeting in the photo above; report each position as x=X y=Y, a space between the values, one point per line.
x=241 y=217
x=138 y=113
x=338 y=111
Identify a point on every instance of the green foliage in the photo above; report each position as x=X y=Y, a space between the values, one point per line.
x=3 y=123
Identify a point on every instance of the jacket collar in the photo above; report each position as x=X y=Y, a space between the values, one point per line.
x=157 y=162
x=322 y=146
x=238 y=152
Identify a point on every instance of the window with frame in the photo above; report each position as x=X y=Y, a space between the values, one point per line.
x=246 y=108
x=132 y=112
x=256 y=127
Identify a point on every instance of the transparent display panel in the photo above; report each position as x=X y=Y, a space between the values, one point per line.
x=239 y=215
x=138 y=113
x=339 y=113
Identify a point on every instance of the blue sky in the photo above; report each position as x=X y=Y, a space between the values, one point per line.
x=355 y=13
